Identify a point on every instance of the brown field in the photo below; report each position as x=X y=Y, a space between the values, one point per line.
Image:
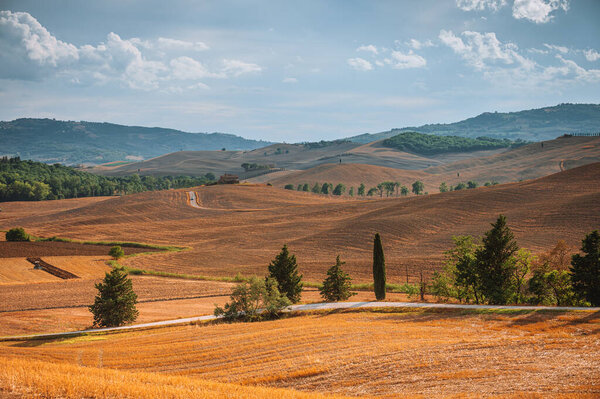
x=243 y=227
x=388 y=354
x=19 y=270
x=527 y=162
x=24 y=249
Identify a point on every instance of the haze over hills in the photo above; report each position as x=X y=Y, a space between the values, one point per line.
x=70 y=142
x=532 y=125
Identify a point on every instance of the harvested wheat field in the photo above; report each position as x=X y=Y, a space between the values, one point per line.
x=379 y=353
x=241 y=228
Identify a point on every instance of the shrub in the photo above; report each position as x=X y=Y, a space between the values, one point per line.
x=336 y=287
x=115 y=303
x=116 y=252
x=17 y=234
x=254 y=300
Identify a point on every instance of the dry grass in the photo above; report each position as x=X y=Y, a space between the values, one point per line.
x=18 y=270
x=50 y=380
x=434 y=354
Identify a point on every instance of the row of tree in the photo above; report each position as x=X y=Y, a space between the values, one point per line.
x=390 y=188
x=496 y=271
x=36 y=181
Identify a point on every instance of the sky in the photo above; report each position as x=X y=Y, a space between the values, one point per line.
x=294 y=71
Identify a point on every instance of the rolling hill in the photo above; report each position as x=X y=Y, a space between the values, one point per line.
x=70 y=142
x=241 y=228
x=532 y=125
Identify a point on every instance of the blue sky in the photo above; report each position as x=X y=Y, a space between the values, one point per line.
x=294 y=71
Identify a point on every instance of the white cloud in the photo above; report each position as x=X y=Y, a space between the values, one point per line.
x=417 y=45
x=405 y=61
x=167 y=44
x=591 y=55
x=560 y=49
x=369 y=48
x=290 y=80
x=538 y=11
x=360 y=64
x=28 y=51
x=481 y=50
x=480 y=5
x=237 y=68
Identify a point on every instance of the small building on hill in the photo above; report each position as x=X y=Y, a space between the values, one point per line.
x=228 y=179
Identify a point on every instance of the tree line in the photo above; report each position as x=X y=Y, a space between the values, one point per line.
x=36 y=181
x=389 y=188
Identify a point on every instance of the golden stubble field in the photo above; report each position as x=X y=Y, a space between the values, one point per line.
x=379 y=353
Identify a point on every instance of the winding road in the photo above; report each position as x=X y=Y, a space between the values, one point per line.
x=300 y=308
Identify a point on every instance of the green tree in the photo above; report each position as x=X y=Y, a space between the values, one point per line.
x=316 y=188
x=351 y=192
x=585 y=270
x=285 y=271
x=463 y=257
x=361 y=190
x=115 y=303
x=326 y=188
x=418 y=187
x=404 y=191
x=116 y=252
x=337 y=285
x=305 y=187
x=289 y=186
x=254 y=300
x=339 y=189
x=443 y=187
x=495 y=263
x=372 y=191
x=522 y=266
x=17 y=234
x=378 y=268
x=472 y=184
x=460 y=186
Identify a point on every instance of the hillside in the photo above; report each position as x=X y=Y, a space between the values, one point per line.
x=71 y=142
x=527 y=162
x=531 y=125
x=253 y=222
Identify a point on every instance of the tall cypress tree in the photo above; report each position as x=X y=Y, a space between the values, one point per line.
x=115 y=303
x=285 y=271
x=378 y=268
x=585 y=270
x=495 y=263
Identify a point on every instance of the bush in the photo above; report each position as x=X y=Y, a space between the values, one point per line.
x=116 y=252
x=17 y=234
x=115 y=303
x=336 y=287
x=254 y=300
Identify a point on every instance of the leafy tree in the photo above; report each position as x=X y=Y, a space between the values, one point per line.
x=361 y=189
x=495 y=265
x=522 y=266
x=285 y=271
x=326 y=188
x=404 y=191
x=551 y=287
x=337 y=285
x=380 y=188
x=463 y=257
x=418 y=187
x=115 y=303
x=289 y=186
x=378 y=268
x=339 y=189
x=116 y=252
x=372 y=191
x=254 y=300
x=17 y=234
x=443 y=187
x=585 y=270
x=472 y=184
x=305 y=187
x=460 y=186
x=351 y=192
x=299 y=188
x=316 y=188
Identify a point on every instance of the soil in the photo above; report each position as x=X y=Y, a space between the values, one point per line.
x=18 y=249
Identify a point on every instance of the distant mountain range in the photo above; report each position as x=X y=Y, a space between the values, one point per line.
x=70 y=142
x=532 y=125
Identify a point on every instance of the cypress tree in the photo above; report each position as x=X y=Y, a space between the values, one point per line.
x=378 y=268
x=585 y=270
x=285 y=271
x=115 y=303
x=495 y=263
x=336 y=287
